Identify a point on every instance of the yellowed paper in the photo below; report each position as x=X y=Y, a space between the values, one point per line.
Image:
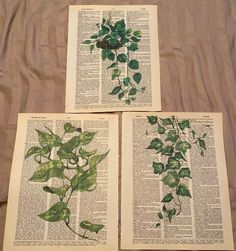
x=89 y=82
x=205 y=220
x=25 y=230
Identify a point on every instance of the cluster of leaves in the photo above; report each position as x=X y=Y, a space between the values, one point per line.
x=72 y=157
x=110 y=38
x=174 y=143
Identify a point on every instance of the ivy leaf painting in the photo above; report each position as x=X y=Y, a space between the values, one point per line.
x=61 y=191
x=185 y=173
x=168 y=198
x=156 y=144
x=184 y=124
x=158 y=168
x=173 y=163
x=182 y=146
x=58 y=212
x=91 y=227
x=171 y=179
x=152 y=119
x=69 y=128
x=182 y=190
x=172 y=136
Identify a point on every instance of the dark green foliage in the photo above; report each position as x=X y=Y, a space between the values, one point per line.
x=70 y=155
x=174 y=143
x=111 y=38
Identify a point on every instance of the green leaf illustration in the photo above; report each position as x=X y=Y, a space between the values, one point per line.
x=133 y=47
x=57 y=212
x=35 y=150
x=202 y=144
x=86 y=137
x=160 y=215
x=184 y=124
x=122 y=58
x=171 y=179
x=121 y=95
x=96 y=159
x=46 y=139
x=152 y=119
x=132 y=91
x=182 y=190
x=69 y=128
x=161 y=129
x=179 y=156
x=47 y=170
x=116 y=73
x=182 y=146
x=115 y=91
x=168 y=198
x=158 y=168
x=135 y=39
x=126 y=81
x=173 y=163
x=137 y=33
x=87 y=42
x=168 y=150
x=185 y=172
x=83 y=153
x=133 y=64
x=91 y=227
x=137 y=77
x=155 y=144
x=172 y=136
x=61 y=191
x=171 y=213
x=166 y=121
x=112 y=65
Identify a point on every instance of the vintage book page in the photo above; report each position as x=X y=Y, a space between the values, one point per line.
x=63 y=192
x=113 y=58
x=174 y=182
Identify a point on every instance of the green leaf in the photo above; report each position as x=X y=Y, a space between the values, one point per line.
x=161 y=129
x=193 y=134
x=126 y=81
x=116 y=90
x=111 y=56
x=65 y=151
x=133 y=47
x=137 y=33
x=61 y=191
x=171 y=213
x=135 y=39
x=121 y=95
x=160 y=215
x=166 y=121
x=168 y=150
x=171 y=179
x=184 y=124
x=83 y=153
x=172 y=136
x=47 y=170
x=86 y=137
x=92 y=47
x=122 y=58
x=182 y=146
x=137 y=77
x=152 y=119
x=119 y=24
x=112 y=66
x=91 y=227
x=85 y=181
x=124 y=40
x=62 y=154
x=87 y=42
x=33 y=150
x=185 y=172
x=94 y=36
x=155 y=144
x=115 y=73
x=168 y=198
x=129 y=31
x=202 y=144
x=128 y=101
x=57 y=212
x=105 y=53
x=114 y=34
x=179 y=155
x=173 y=163
x=133 y=64
x=46 y=139
x=204 y=135
x=69 y=128
x=182 y=190
x=132 y=91
x=158 y=168
x=96 y=159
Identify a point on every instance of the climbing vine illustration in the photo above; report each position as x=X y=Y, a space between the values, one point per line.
x=114 y=39
x=73 y=166
x=175 y=139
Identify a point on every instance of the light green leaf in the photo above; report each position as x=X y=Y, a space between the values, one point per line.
x=137 y=33
x=57 y=212
x=69 y=128
x=182 y=146
x=83 y=153
x=122 y=58
x=185 y=172
x=182 y=190
x=133 y=64
x=171 y=179
x=173 y=163
x=158 y=168
x=184 y=124
x=96 y=159
x=152 y=119
x=155 y=144
x=115 y=91
x=46 y=139
x=61 y=191
x=86 y=137
x=172 y=136
x=137 y=77
x=91 y=227
x=47 y=170
x=115 y=73
x=33 y=150
x=168 y=198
